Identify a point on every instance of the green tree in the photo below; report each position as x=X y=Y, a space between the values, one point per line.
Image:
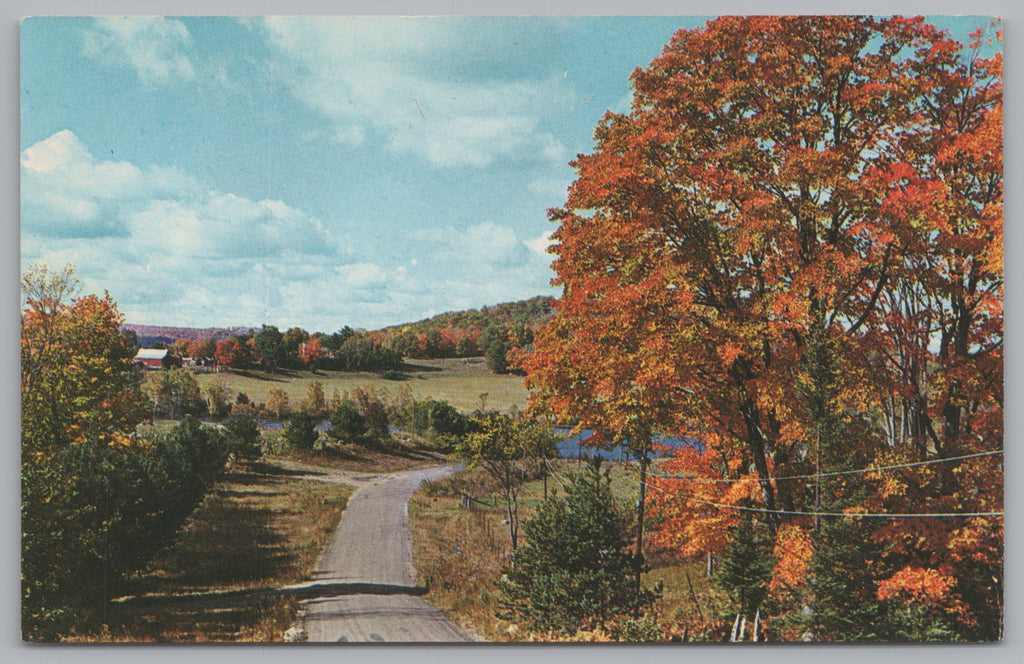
x=575 y=570
x=243 y=435
x=96 y=502
x=511 y=452
x=347 y=423
x=174 y=393
x=746 y=567
x=300 y=430
x=269 y=343
x=496 y=356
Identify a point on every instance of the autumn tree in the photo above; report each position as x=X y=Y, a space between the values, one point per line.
x=202 y=349
x=277 y=402
x=315 y=403
x=310 y=353
x=76 y=374
x=511 y=452
x=231 y=353
x=291 y=342
x=777 y=178
x=217 y=394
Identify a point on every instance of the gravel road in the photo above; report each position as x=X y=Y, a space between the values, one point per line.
x=365 y=584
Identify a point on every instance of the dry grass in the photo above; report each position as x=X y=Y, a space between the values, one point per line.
x=460 y=382
x=255 y=531
x=459 y=554
x=361 y=459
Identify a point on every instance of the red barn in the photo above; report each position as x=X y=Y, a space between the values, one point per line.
x=151 y=358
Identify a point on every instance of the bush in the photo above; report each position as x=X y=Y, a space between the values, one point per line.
x=347 y=423
x=300 y=430
x=96 y=512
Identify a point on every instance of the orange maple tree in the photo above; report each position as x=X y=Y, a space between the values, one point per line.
x=779 y=178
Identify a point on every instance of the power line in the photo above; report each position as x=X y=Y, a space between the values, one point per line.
x=832 y=474
x=908 y=515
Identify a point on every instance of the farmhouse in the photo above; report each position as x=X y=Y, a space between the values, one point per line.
x=151 y=358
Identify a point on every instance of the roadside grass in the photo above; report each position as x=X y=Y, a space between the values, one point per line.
x=254 y=532
x=459 y=554
x=460 y=382
x=359 y=459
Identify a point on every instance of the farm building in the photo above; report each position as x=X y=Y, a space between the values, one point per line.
x=151 y=358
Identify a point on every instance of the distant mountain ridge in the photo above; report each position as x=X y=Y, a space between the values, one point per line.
x=167 y=334
x=533 y=311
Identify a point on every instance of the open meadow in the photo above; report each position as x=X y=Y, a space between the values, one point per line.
x=466 y=384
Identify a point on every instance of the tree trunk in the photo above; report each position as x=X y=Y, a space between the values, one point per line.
x=640 y=529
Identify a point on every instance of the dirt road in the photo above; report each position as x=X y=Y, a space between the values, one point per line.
x=365 y=585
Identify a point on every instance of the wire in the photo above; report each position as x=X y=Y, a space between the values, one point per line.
x=762 y=510
x=833 y=474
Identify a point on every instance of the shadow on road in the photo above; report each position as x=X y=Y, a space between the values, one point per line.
x=240 y=598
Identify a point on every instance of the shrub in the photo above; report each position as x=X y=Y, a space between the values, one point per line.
x=300 y=430
x=347 y=423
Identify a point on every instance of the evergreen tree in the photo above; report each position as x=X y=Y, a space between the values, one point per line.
x=347 y=423
x=243 y=435
x=746 y=567
x=300 y=430
x=575 y=570
x=842 y=601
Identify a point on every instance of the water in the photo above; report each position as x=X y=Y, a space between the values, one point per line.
x=572 y=446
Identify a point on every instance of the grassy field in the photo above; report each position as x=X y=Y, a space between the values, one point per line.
x=459 y=554
x=258 y=529
x=460 y=382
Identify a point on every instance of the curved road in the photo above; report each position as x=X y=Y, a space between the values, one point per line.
x=365 y=583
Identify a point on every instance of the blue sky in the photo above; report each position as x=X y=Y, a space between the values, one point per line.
x=312 y=171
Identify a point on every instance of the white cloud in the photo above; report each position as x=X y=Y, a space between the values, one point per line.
x=364 y=276
x=68 y=193
x=539 y=245
x=492 y=244
x=168 y=248
x=360 y=77
x=153 y=46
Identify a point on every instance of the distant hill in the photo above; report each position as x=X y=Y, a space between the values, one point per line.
x=529 y=313
x=149 y=335
x=535 y=311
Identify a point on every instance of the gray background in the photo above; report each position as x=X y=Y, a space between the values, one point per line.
x=11 y=649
